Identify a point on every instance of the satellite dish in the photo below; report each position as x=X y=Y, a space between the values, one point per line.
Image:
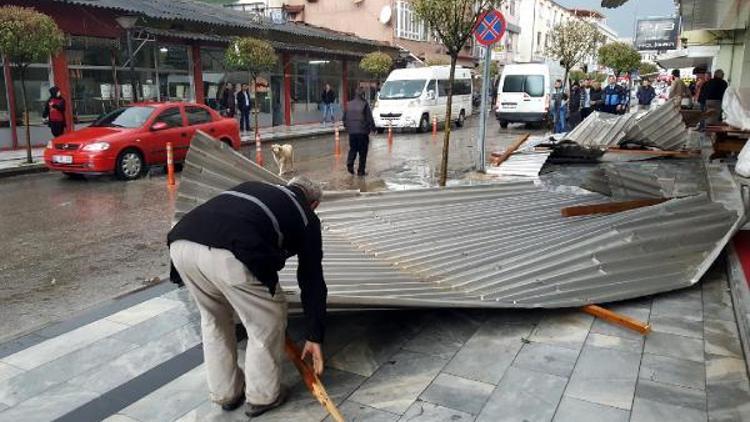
x=385 y=15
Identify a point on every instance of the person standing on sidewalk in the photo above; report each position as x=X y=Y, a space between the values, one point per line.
x=574 y=106
x=54 y=112
x=712 y=95
x=614 y=97
x=586 y=106
x=646 y=94
x=228 y=101
x=557 y=94
x=597 y=94
x=327 y=98
x=228 y=252
x=245 y=105
x=359 y=123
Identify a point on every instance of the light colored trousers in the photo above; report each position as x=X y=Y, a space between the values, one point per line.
x=220 y=285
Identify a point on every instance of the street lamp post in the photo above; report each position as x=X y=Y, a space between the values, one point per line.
x=128 y=23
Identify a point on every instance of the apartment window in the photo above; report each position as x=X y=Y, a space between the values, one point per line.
x=408 y=25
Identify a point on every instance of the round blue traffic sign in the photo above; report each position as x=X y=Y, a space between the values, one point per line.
x=490 y=27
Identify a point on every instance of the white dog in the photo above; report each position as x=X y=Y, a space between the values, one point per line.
x=284 y=157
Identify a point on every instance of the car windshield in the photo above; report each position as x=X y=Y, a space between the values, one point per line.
x=393 y=90
x=128 y=117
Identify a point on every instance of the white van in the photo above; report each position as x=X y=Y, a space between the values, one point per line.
x=410 y=98
x=523 y=94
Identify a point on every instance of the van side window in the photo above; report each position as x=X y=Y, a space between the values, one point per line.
x=432 y=86
x=460 y=87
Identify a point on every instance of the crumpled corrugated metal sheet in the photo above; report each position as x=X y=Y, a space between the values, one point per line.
x=652 y=179
x=601 y=130
x=661 y=127
x=492 y=246
x=525 y=164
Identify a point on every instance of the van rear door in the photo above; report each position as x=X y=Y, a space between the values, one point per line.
x=522 y=94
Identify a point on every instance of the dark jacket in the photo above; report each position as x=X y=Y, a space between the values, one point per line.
x=241 y=101
x=358 y=117
x=574 y=105
x=228 y=100
x=238 y=224
x=713 y=90
x=54 y=110
x=328 y=97
x=595 y=97
x=645 y=95
x=614 y=96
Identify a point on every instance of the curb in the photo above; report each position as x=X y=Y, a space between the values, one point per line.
x=249 y=140
x=23 y=169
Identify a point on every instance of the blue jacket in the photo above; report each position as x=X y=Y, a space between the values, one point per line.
x=614 y=96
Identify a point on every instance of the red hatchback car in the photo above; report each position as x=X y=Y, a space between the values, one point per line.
x=130 y=139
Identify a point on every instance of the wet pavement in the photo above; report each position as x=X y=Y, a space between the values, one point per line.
x=69 y=245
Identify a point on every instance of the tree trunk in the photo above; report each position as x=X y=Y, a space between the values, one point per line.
x=448 y=121
x=255 y=105
x=22 y=75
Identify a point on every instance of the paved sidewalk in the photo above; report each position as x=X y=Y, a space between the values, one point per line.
x=143 y=363
x=14 y=162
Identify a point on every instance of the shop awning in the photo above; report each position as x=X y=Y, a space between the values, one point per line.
x=702 y=56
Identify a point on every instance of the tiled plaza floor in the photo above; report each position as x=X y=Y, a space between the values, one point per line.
x=142 y=362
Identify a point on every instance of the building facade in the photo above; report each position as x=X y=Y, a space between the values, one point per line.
x=178 y=56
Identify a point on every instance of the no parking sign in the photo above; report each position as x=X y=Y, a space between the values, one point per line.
x=490 y=27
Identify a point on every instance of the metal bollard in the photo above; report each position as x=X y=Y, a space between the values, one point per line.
x=337 y=139
x=434 y=126
x=170 y=164
x=258 y=151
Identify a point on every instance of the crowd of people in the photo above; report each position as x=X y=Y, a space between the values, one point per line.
x=570 y=109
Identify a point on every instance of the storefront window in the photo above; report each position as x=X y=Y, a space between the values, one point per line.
x=212 y=64
x=309 y=77
x=358 y=78
x=37 y=91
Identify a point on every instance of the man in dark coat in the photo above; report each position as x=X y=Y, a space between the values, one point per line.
x=359 y=123
x=54 y=112
x=227 y=100
x=327 y=98
x=574 y=106
x=614 y=98
x=646 y=94
x=712 y=95
x=228 y=253
x=244 y=105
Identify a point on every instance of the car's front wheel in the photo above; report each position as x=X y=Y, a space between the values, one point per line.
x=424 y=124
x=129 y=165
x=504 y=124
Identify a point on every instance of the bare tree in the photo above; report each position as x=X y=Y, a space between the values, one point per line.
x=571 y=42
x=453 y=22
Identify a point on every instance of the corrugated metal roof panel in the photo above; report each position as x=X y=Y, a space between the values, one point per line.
x=495 y=246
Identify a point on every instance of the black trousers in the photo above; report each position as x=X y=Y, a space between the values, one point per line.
x=585 y=112
x=358 y=144
x=57 y=128
x=244 y=119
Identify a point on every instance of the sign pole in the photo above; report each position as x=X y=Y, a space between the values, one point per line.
x=483 y=117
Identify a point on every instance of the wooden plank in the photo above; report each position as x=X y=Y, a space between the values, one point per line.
x=312 y=381
x=609 y=207
x=656 y=153
x=499 y=159
x=618 y=319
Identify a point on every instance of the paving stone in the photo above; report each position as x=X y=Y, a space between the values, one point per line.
x=605 y=376
x=17 y=344
x=667 y=370
x=428 y=412
x=672 y=395
x=357 y=412
x=720 y=369
x=489 y=352
x=722 y=338
x=650 y=411
x=564 y=329
x=689 y=307
x=172 y=400
x=143 y=311
x=120 y=418
x=680 y=326
x=458 y=393
x=50 y=404
x=139 y=360
x=39 y=379
x=445 y=334
x=547 y=358
x=524 y=395
x=719 y=311
x=160 y=325
x=664 y=344
x=51 y=349
x=301 y=406
x=8 y=371
x=617 y=343
x=375 y=345
x=574 y=410
x=398 y=383
x=729 y=401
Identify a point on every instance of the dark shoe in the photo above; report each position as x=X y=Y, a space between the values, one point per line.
x=350 y=170
x=361 y=173
x=228 y=407
x=254 y=410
